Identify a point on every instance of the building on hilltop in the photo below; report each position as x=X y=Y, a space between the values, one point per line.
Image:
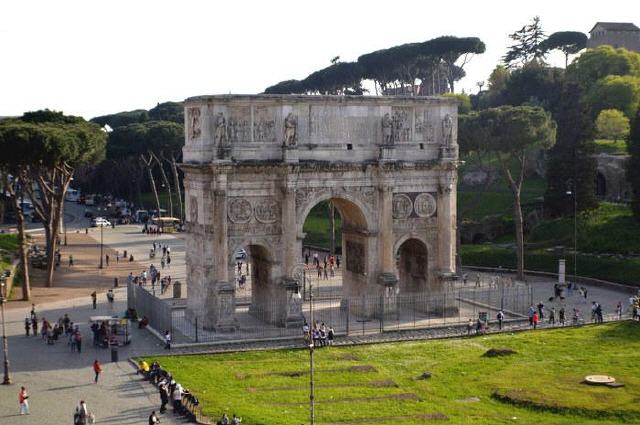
x=616 y=34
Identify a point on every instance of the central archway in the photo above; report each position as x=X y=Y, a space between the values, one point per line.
x=352 y=261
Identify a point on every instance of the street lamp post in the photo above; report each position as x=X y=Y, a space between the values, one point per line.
x=5 y=346
x=573 y=193
x=101 y=242
x=311 y=386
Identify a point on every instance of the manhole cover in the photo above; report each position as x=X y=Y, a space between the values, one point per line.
x=599 y=379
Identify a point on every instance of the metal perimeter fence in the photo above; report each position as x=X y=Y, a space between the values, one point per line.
x=346 y=315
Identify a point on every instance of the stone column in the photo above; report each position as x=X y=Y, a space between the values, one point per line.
x=446 y=211
x=289 y=230
x=221 y=292
x=386 y=230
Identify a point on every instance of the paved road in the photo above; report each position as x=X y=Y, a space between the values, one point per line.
x=57 y=379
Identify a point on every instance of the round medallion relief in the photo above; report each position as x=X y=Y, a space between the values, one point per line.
x=402 y=206
x=267 y=211
x=239 y=211
x=424 y=205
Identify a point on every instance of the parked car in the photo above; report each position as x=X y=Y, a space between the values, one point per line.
x=100 y=222
x=241 y=254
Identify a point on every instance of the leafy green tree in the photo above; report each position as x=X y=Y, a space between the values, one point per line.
x=534 y=84
x=571 y=165
x=633 y=166
x=455 y=53
x=286 y=87
x=508 y=134
x=338 y=78
x=464 y=102
x=167 y=111
x=568 y=42
x=598 y=63
x=53 y=145
x=498 y=78
x=616 y=92
x=527 y=45
x=122 y=118
x=612 y=124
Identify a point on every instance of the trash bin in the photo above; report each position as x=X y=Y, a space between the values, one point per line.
x=114 y=354
x=177 y=289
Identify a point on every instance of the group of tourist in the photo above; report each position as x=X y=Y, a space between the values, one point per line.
x=154 y=275
x=51 y=333
x=326 y=268
x=319 y=334
x=170 y=391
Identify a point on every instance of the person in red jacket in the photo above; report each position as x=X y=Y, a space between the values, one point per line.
x=97 y=368
x=536 y=319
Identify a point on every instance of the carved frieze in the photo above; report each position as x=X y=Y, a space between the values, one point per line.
x=193 y=209
x=194 y=123
x=355 y=257
x=267 y=210
x=239 y=210
x=424 y=205
x=401 y=121
x=401 y=206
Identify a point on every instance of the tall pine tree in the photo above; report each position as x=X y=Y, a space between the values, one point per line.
x=633 y=166
x=571 y=165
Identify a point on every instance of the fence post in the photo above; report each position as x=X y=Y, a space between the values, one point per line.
x=196 y=328
x=381 y=313
x=348 y=312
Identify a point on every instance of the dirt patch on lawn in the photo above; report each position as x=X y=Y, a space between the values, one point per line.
x=499 y=352
x=348 y=357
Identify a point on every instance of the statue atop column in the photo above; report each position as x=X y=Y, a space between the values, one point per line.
x=387 y=129
x=290 y=130
x=220 y=134
x=447 y=130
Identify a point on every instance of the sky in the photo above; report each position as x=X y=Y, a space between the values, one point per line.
x=91 y=57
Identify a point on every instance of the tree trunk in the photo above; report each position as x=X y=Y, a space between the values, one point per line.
x=166 y=182
x=153 y=182
x=176 y=180
x=23 y=251
x=52 y=244
x=332 y=228
x=519 y=222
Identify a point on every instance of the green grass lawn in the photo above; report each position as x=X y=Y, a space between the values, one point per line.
x=8 y=247
x=618 y=147
x=597 y=266
x=379 y=383
x=497 y=199
x=610 y=228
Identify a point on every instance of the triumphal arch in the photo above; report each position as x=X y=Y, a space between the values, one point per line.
x=256 y=165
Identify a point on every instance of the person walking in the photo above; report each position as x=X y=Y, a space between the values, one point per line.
x=164 y=397
x=27 y=325
x=530 y=314
x=500 y=317
x=97 y=368
x=23 y=399
x=167 y=340
x=536 y=319
x=70 y=260
x=94 y=299
x=81 y=414
x=77 y=338
x=153 y=419
x=106 y=257
x=561 y=316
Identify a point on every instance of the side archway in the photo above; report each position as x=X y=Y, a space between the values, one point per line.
x=412 y=261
